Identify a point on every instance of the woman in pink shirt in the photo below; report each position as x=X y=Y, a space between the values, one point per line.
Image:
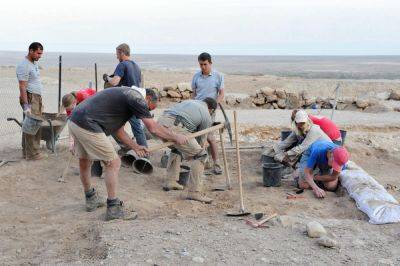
x=328 y=127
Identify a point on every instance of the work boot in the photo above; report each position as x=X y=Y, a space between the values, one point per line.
x=116 y=210
x=93 y=200
x=172 y=185
x=197 y=196
x=217 y=169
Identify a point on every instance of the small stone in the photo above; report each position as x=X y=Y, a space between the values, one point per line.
x=264 y=259
x=149 y=261
x=163 y=94
x=315 y=229
x=275 y=105
x=185 y=95
x=281 y=103
x=327 y=242
x=259 y=101
x=362 y=103
x=198 y=259
x=184 y=86
x=292 y=101
x=395 y=95
x=385 y=262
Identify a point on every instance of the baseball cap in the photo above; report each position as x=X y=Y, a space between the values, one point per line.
x=340 y=158
x=301 y=116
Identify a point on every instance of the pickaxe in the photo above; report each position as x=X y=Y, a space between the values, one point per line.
x=227 y=123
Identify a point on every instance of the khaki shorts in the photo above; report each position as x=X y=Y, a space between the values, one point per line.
x=91 y=146
x=192 y=147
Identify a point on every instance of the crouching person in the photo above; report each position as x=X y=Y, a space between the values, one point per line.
x=320 y=167
x=304 y=134
x=91 y=122
x=188 y=117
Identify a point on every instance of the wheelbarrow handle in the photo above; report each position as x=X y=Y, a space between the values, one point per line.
x=15 y=120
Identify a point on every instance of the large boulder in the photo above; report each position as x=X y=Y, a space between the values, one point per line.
x=184 y=86
x=271 y=98
x=163 y=94
x=281 y=103
x=280 y=93
x=292 y=101
x=267 y=91
x=362 y=103
x=186 y=95
x=395 y=95
x=169 y=88
x=174 y=94
x=259 y=101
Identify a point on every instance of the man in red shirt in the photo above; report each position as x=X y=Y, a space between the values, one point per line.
x=326 y=125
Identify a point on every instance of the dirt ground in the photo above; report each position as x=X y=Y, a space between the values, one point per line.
x=43 y=221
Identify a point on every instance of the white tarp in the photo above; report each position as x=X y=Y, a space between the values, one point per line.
x=370 y=196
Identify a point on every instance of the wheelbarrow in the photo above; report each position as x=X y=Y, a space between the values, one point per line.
x=51 y=128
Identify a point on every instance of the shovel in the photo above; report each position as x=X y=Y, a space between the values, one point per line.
x=242 y=211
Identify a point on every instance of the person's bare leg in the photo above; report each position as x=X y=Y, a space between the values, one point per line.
x=84 y=169
x=214 y=149
x=111 y=178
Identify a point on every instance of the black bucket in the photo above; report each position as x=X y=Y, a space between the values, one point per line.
x=143 y=166
x=129 y=158
x=285 y=134
x=343 y=134
x=184 y=175
x=272 y=174
x=267 y=159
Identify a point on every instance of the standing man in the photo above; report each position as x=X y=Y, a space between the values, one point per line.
x=128 y=74
x=208 y=83
x=184 y=118
x=30 y=98
x=92 y=121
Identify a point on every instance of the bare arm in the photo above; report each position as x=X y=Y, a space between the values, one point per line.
x=124 y=138
x=312 y=136
x=22 y=91
x=114 y=81
x=163 y=132
x=320 y=193
x=221 y=95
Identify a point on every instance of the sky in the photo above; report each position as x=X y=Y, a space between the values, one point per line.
x=225 y=27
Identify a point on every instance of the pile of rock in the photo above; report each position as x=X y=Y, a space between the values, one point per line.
x=182 y=91
x=269 y=98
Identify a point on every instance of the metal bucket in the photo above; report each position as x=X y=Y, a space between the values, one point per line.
x=272 y=174
x=142 y=166
x=31 y=125
x=129 y=158
x=184 y=175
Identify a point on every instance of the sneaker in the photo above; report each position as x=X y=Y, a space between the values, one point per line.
x=197 y=196
x=173 y=186
x=217 y=169
x=94 y=202
x=117 y=211
x=37 y=157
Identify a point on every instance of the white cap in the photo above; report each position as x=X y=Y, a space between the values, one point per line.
x=301 y=116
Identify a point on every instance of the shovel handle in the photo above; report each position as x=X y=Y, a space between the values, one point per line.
x=239 y=170
x=189 y=136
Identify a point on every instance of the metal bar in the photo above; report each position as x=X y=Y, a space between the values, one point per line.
x=59 y=82
x=95 y=75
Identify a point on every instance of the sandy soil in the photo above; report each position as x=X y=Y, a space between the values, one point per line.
x=44 y=222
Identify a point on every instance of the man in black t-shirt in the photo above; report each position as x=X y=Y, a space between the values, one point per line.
x=92 y=121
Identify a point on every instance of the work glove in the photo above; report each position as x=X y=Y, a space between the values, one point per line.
x=105 y=77
x=27 y=108
x=280 y=156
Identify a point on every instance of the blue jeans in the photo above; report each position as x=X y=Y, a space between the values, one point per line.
x=138 y=131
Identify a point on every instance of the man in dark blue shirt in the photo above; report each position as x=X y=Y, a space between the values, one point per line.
x=128 y=74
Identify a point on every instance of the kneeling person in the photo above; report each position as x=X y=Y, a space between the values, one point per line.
x=328 y=159
x=185 y=118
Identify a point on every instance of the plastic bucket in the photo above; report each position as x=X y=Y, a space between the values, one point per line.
x=31 y=125
x=184 y=175
x=267 y=159
x=272 y=174
x=285 y=134
x=343 y=134
x=143 y=166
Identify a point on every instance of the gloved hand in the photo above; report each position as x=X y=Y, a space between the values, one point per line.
x=27 y=108
x=280 y=156
x=105 y=77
